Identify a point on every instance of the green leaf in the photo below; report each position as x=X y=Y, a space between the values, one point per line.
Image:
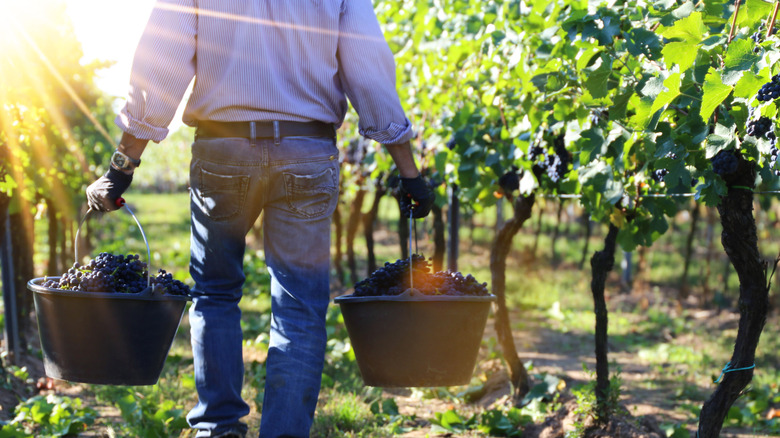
x=610 y=29
x=390 y=407
x=682 y=53
x=597 y=77
x=592 y=145
x=753 y=12
x=672 y=84
x=642 y=108
x=715 y=92
x=653 y=87
x=643 y=42
x=690 y=29
x=740 y=56
x=620 y=105
x=748 y=85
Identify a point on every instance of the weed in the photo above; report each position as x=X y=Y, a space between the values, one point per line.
x=344 y=414
x=49 y=416
x=587 y=410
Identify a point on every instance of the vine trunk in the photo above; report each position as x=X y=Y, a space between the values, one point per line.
x=739 y=239
x=522 y=207
x=601 y=263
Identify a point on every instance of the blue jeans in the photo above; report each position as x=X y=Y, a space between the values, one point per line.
x=295 y=184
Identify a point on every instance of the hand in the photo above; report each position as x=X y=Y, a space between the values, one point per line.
x=416 y=197
x=104 y=192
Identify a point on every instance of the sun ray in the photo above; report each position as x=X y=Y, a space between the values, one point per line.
x=68 y=89
x=262 y=22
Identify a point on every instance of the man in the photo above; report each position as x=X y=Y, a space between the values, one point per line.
x=272 y=80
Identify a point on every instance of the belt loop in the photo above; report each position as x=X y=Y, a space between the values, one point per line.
x=252 y=133
x=277 y=137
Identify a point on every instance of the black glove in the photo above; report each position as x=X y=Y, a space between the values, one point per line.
x=416 y=196
x=107 y=189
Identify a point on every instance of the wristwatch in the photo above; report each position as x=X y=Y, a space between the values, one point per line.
x=123 y=162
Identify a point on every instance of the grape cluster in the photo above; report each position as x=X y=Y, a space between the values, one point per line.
x=535 y=152
x=759 y=127
x=770 y=90
x=758 y=37
x=114 y=273
x=510 y=181
x=166 y=282
x=450 y=283
x=389 y=279
x=659 y=174
x=724 y=162
x=557 y=163
x=393 y=279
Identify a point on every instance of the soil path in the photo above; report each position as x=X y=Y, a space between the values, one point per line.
x=652 y=394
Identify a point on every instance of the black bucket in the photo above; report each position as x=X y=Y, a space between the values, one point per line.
x=415 y=340
x=105 y=338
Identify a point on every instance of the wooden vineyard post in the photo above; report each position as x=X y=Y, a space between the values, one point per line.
x=454 y=223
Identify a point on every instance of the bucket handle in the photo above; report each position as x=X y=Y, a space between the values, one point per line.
x=120 y=202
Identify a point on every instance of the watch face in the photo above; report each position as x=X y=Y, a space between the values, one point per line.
x=120 y=160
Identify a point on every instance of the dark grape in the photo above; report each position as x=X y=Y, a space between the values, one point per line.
x=724 y=162
x=760 y=127
x=510 y=181
x=659 y=174
x=393 y=279
x=758 y=38
x=166 y=282
x=557 y=163
x=535 y=152
x=770 y=90
x=114 y=273
x=451 y=143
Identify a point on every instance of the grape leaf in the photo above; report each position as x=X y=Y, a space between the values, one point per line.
x=715 y=92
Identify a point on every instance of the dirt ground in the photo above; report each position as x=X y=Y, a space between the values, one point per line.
x=563 y=355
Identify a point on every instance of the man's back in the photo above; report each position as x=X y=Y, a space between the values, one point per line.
x=264 y=60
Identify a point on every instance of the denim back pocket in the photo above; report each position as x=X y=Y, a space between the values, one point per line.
x=221 y=197
x=312 y=196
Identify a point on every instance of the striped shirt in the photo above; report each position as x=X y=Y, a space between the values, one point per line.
x=264 y=60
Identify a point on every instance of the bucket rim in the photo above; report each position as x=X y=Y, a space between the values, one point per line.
x=34 y=285
x=351 y=298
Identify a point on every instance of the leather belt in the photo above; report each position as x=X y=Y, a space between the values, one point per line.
x=278 y=129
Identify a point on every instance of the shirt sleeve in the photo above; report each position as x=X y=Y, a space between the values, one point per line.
x=163 y=67
x=367 y=73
